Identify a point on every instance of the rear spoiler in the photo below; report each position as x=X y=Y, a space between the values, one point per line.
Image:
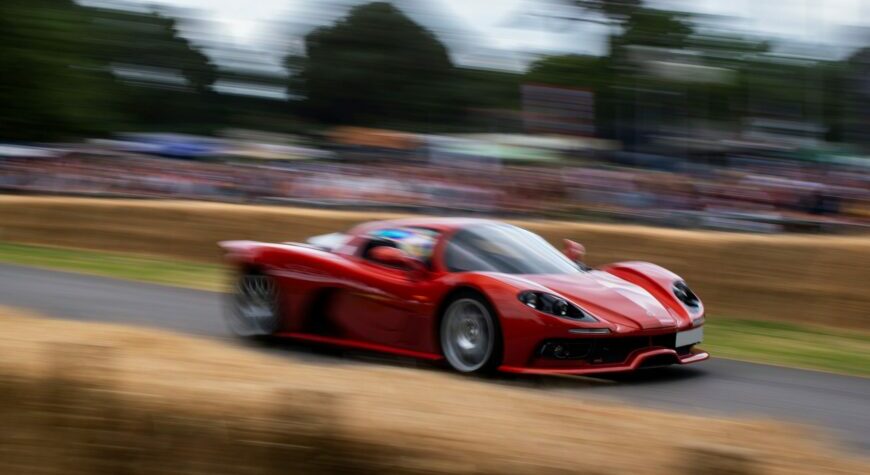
x=328 y=242
x=239 y=251
x=243 y=250
x=238 y=246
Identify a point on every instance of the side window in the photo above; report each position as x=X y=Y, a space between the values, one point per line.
x=417 y=242
x=459 y=256
x=373 y=243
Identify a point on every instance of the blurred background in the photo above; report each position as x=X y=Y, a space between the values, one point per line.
x=735 y=115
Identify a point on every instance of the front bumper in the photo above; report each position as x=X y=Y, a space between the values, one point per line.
x=650 y=358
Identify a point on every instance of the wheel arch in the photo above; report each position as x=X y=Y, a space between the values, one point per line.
x=452 y=295
x=455 y=293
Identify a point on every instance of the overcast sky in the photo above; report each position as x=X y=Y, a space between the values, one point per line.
x=503 y=33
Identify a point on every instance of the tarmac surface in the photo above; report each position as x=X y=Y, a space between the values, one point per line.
x=838 y=405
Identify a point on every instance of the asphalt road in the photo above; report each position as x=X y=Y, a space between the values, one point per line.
x=840 y=405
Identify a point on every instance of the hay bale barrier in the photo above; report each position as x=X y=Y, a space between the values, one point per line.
x=86 y=398
x=800 y=278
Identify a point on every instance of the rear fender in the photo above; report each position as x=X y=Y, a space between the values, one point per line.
x=304 y=274
x=266 y=254
x=241 y=253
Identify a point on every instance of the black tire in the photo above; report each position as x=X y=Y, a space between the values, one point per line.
x=470 y=334
x=253 y=306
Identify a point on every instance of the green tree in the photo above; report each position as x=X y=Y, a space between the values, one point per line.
x=490 y=89
x=653 y=27
x=63 y=72
x=569 y=70
x=614 y=78
x=375 y=66
x=51 y=85
x=165 y=82
x=849 y=98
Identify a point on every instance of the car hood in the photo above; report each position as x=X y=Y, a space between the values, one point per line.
x=608 y=298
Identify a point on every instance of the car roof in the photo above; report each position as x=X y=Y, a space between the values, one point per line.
x=435 y=224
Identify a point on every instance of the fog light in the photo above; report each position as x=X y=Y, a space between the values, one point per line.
x=566 y=350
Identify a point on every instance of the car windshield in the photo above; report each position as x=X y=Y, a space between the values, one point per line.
x=504 y=248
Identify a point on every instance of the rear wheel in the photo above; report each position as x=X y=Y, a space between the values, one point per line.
x=253 y=309
x=470 y=337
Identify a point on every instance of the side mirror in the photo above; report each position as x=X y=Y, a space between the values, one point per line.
x=394 y=257
x=574 y=250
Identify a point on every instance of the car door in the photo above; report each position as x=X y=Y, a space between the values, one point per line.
x=380 y=304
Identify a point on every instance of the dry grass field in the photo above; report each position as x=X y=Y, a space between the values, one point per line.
x=799 y=278
x=105 y=399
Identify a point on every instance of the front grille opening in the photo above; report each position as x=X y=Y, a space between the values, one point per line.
x=566 y=350
x=658 y=361
x=605 y=350
x=664 y=341
x=685 y=350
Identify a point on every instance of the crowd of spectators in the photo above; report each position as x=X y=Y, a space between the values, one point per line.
x=754 y=195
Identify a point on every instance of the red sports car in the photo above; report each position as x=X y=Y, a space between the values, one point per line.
x=480 y=294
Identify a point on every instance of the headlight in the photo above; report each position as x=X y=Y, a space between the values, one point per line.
x=553 y=305
x=685 y=295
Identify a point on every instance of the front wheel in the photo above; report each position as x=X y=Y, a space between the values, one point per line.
x=470 y=335
x=253 y=306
